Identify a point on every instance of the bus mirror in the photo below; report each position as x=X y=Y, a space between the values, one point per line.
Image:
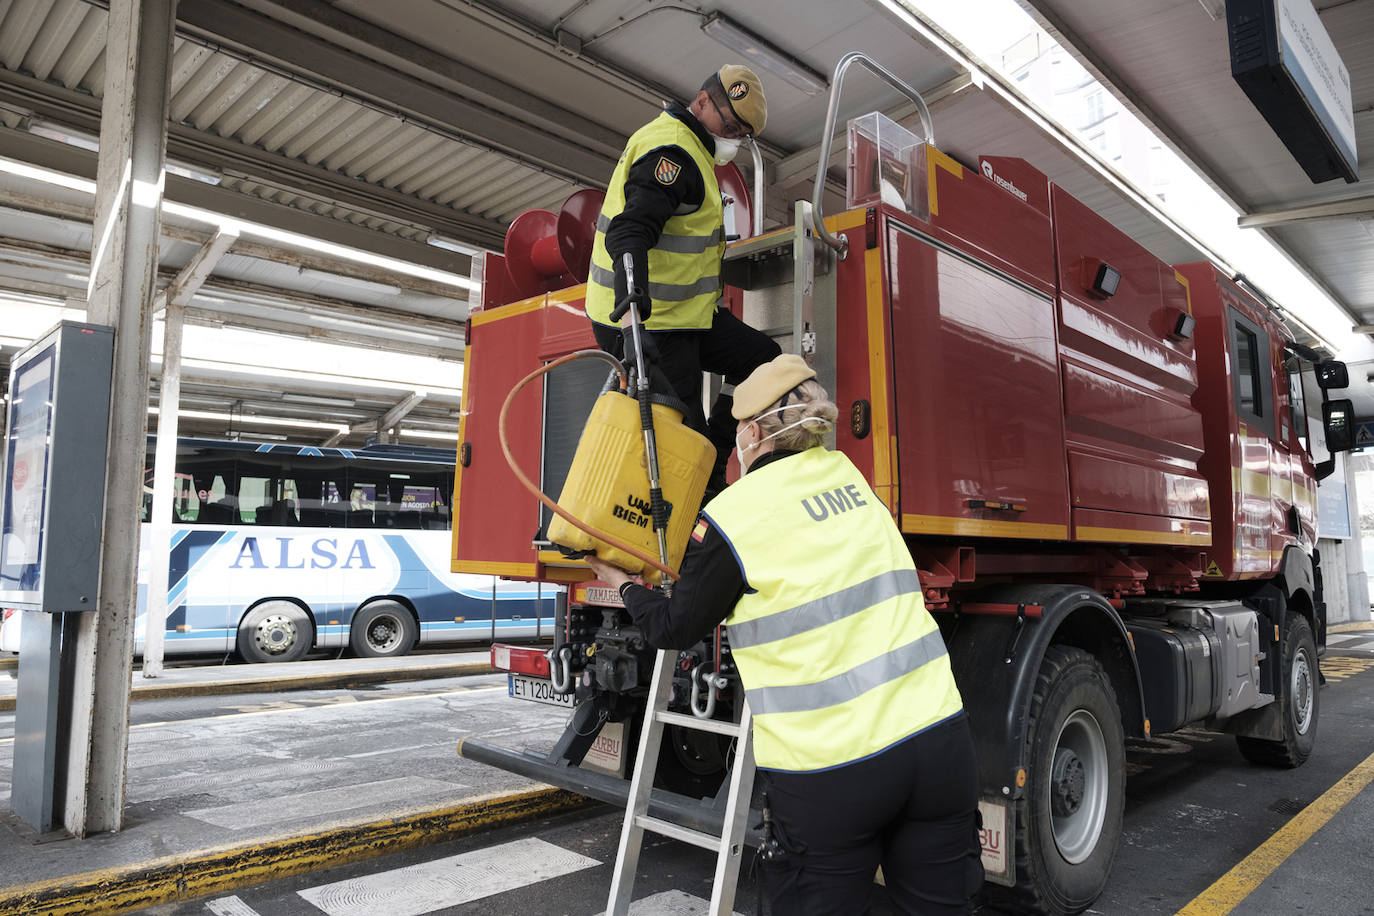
x=1338 y=417
x=1331 y=373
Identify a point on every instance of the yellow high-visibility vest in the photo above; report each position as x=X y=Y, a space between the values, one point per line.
x=838 y=655
x=684 y=267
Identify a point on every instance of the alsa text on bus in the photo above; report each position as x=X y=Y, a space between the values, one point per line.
x=324 y=555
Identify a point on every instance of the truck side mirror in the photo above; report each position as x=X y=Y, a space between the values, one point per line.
x=1338 y=418
x=1331 y=373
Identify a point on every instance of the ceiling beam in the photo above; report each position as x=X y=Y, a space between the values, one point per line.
x=298 y=314
x=70 y=160
x=1346 y=208
x=81 y=213
x=56 y=103
x=193 y=276
x=583 y=153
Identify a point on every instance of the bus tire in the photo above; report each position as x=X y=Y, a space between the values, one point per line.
x=275 y=631
x=382 y=629
x=1299 y=704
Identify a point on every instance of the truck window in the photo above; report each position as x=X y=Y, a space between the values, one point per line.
x=1297 y=403
x=1253 y=392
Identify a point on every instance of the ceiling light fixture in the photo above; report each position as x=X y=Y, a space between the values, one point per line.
x=758 y=51
x=255 y=419
x=354 y=283
x=292 y=398
x=193 y=172
x=62 y=133
x=452 y=244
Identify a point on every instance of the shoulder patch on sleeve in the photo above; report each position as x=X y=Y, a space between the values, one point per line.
x=667 y=170
x=699 y=532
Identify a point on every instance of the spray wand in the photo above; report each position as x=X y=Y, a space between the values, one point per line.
x=659 y=509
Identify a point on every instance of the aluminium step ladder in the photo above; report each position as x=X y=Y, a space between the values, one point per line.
x=729 y=846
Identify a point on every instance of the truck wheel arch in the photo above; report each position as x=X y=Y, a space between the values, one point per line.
x=996 y=659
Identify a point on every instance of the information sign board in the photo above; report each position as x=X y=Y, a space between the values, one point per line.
x=52 y=496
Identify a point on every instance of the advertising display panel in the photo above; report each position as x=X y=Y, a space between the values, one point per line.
x=52 y=496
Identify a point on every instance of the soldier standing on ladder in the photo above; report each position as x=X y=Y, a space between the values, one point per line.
x=663 y=207
x=859 y=732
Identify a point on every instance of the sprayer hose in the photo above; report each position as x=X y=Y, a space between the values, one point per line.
x=539 y=494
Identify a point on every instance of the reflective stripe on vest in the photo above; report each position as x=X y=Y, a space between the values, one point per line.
x=684 y=266
x=838 y=655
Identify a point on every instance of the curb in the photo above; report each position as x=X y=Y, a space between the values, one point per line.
x=182 y=877
x=301 y=682
x=1352 y=626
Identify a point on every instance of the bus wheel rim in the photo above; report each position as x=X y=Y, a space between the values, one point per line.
x=384 y=633
x=275 y=634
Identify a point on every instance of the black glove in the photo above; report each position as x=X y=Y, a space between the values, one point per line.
x=636 y=297
x=631 y=290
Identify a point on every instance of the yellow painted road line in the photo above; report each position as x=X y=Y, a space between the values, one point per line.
x=1338 y=668
x=1234 y=886
x=119 y=890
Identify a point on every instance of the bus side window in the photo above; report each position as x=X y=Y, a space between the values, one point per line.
x=317 y=501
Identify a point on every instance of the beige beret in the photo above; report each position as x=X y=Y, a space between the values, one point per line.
x=766 y=385
x=745 y=92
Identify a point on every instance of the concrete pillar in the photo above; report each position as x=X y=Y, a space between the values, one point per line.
x=164 y=480
x=1356 y=579
x=176 y=298
x=133 y=139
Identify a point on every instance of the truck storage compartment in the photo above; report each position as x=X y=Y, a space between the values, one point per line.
x=1177 y=672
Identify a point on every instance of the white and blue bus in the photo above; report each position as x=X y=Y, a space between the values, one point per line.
x=278 y=549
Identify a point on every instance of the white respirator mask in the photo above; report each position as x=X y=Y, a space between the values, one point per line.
x=739 y=452
x=726 y=150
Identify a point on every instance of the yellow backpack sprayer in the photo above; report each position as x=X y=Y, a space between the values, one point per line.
x=626 y=494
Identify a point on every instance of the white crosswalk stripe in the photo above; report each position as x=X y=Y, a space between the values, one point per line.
x=230 y=906
x=424 y=888
x=669 y=903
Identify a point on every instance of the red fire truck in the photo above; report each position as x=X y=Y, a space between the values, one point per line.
x=1102 y=463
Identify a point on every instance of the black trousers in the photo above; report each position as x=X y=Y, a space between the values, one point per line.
x=913 y=809
x=729 y=347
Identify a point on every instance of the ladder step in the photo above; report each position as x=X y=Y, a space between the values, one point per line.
x=676 y=831
x=729 y=729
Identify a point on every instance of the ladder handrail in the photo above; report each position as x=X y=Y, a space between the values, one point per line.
x=823 y=165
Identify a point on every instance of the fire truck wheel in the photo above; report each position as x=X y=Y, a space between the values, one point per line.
x=691 y=762
x=383 y=629
x=1068 y=823
x=1298 y=706
x=275 y=631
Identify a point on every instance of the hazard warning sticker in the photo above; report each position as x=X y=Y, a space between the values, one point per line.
x=667 y=170
x=1214 y=570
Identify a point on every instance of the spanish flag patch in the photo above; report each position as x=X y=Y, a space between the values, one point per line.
x=667 y=170
x=699 y=532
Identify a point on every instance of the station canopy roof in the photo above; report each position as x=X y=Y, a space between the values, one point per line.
x=401 y=127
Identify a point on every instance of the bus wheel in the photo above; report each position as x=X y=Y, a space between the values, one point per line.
x=275 y=631
x=383 y=629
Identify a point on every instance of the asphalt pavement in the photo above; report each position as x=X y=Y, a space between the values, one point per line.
x=284 y=786
x=287 y=786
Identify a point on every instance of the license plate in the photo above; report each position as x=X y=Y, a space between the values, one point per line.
x=534 y=688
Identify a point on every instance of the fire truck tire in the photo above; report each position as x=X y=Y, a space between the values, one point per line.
x=275 y=631
x=382 y=629
x=1298 y=706
x=691 y=762
x=1068 y=825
